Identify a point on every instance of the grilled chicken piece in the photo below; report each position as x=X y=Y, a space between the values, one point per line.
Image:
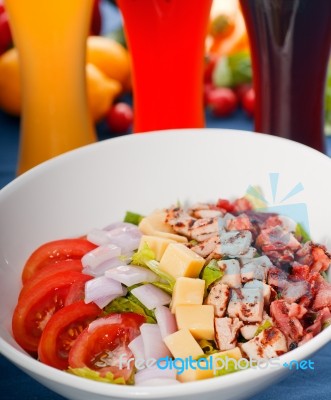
x=204 y=210
x=266 y=289
x=268 y=344
x=199 y=229
x=231 y=275
x=235 y=243
x=218 y=297
x=248 y=331
x=226 y=332
x=246 y=304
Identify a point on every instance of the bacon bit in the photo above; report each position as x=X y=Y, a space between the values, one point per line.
x=300 y=272
x=271 y=222
x=291 y=327
x=323 y=296
x=240 y=223
x=296 y=310
x=323 y=316
x=321 y=258
x=241 y=205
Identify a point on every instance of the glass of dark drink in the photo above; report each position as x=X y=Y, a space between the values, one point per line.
x=290 y=46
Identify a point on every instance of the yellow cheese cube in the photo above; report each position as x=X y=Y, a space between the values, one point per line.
x=210 y=367
x=157 y=244
x=154 y=225
x=187 y=291
x=199 y=320
x=178 y=260
x=183 y=345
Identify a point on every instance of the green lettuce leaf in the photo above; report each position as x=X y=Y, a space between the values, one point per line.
x=95 y=376
x=230 y=365
x=167 y=281
x=142 y=256
x=130 y=304
x=211 y=273
x=208 y=346
x=133 y=218
x=301 y=232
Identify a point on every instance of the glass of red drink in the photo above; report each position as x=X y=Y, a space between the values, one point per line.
x=290 y=46
x=166 y=41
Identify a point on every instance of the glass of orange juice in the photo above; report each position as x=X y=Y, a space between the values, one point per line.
x=51 y=40
x=166 y=41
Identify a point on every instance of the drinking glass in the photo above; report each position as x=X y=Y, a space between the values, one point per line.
x=166 y=41
x=51 y=40
x=290 y=47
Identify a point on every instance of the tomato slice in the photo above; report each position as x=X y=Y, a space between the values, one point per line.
x=50 y=270
x=37 y=305
x=101 y=345
x=53 y=252
x=62 y=330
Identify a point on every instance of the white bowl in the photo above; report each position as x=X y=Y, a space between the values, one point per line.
x=95 y=185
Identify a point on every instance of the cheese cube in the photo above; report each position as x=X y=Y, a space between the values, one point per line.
x=178 y=260
x=154 y=225
x=210 y=368
x=183 y=345
x=157 y=244
x=199 y=320
x=187 y=291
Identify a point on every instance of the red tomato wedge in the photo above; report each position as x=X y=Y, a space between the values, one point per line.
x=62 y=330
x=50 y=270
x=37 y=305
x=53 y=252
x=103 y=346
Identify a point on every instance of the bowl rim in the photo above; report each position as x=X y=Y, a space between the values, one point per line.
x=37 y=369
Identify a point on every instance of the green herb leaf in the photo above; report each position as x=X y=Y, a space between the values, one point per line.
x=130 y=304
x=133 y=218
x=267 y=324
x=301 y=232
x=95 y=376
x=211 y=273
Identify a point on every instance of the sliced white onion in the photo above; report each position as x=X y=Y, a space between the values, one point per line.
x=105 y=266
x=119 y=224
x=166 y=321
x=131 y=274
x=154 y=372
x=127 y=241
x=100 y=289
x=137 y=348
x=96 y=257
x=151 y=296
x=98 y=236
x=154 y=346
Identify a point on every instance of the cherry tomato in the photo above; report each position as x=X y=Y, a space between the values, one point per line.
x=35 y=308
x=5 y=33
x=62 y=330
x=120 y=118
x=248 y=101
x=207 y=88
x=50 y=270
x=222 y=102
x=104 y=346
x=54 y=252
x=242 y=89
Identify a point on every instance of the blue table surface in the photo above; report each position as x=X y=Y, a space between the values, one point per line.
x=14 y=384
